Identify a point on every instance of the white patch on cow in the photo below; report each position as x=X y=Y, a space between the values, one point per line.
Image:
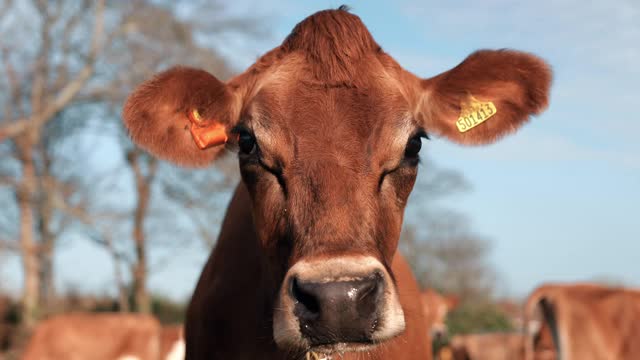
x=533 y=327
x=177 y=351
x=128 y=357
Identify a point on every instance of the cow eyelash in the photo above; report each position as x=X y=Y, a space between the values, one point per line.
x=421 y=134
x=239 y=128
x=414 y=145
x=245 y=141
x=409 y=160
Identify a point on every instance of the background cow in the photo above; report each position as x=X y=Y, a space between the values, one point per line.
x=107 y=336
x=328 y=129
x=436 y=306
x=496 y=346
x=583 y=321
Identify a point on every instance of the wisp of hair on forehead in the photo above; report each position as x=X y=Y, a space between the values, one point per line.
x=334 y=42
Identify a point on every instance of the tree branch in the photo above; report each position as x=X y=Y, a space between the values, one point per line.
x=41 y=68
x=10 y=245
x=69 y=91
x=8 y=181
x=105 y=241
x=14 y=85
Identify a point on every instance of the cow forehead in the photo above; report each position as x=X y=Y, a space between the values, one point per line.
x=364 y=117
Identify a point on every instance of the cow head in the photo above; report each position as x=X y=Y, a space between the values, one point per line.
x=328 y=129
x=436 y=307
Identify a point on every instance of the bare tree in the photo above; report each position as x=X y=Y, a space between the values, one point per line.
x=29 y=105
x=150 y=48
x=143 y=183
x=452 y=259
x=86 y=56
x=444 y=251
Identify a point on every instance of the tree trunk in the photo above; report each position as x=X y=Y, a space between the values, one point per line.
x=123 y=292
x=47 y=288
x=143 y=190
x=47 y=237
x=28 y=247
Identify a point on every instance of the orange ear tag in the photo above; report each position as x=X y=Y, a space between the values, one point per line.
x=206 y=136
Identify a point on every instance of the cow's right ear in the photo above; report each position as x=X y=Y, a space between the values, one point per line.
x=182 y=115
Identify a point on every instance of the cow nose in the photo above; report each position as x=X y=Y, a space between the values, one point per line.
x=338 y=311
x=438 y=334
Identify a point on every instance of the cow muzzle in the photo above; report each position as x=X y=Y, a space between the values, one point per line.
x=438 y=331
x=337 y=305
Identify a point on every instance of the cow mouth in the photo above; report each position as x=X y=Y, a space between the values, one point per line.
x=327 y=351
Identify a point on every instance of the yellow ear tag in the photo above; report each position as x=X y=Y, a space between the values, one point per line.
x=206 y=133
x=474 y=113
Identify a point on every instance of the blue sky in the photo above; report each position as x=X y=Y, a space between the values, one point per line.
x=560 y=199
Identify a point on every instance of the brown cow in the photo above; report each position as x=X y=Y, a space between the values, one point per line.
x=172 y=345
x=80 y=336
x=328 y=128
x=436 y=307
x=490 y=346
x=583 y=321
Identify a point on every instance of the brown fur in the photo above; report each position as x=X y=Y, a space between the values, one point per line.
x=592 y=322
x=243 y=329
x=332 y=115
x=162 y=126
x=517 y=83
x=436 y=307
x=80 y=336
x=500 y=346
x=333 y=45
x=543 y=344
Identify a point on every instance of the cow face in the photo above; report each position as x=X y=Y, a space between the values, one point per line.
x=436 y=307
x=328 y=130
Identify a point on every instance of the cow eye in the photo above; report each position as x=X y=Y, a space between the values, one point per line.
x=246 y=142
x=413 y=147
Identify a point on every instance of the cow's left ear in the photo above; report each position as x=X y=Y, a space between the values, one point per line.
x=488 y=95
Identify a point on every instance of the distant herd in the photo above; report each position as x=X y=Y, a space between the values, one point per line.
x=560 y=321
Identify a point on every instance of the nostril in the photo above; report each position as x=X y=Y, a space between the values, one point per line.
x=307 y=301
x=368 y=289
x=370 y=292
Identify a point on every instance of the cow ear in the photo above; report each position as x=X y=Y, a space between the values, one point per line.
x=182 y=115
x=488 y=95
x=452 y=302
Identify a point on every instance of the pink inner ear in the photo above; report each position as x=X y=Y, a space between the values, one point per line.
x=206 y=136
